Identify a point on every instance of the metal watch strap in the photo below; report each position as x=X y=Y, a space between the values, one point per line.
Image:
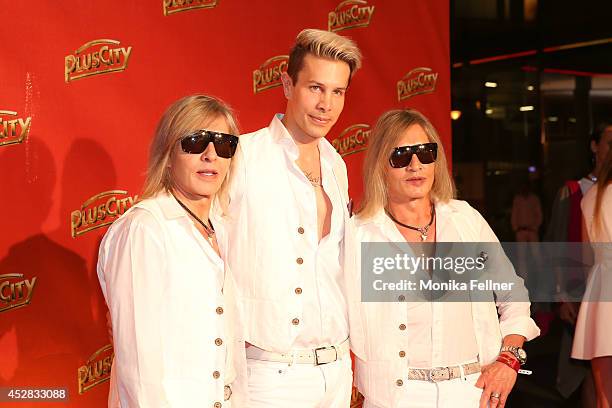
x=514 y=350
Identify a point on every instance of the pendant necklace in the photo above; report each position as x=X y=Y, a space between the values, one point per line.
x=315 y=181
x=209 y=229
x=422 y=230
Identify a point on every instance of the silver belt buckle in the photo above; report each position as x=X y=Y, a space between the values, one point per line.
x=227 y=392
x=316 y=354
x=434 y=371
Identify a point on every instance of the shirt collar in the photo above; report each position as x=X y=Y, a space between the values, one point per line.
x=281 y=135
x=443 y=210
x=169 y=206
x=173 y=210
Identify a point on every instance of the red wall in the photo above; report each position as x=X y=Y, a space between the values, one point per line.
x=90 y=136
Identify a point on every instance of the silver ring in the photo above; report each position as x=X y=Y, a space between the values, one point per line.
x=495 y=395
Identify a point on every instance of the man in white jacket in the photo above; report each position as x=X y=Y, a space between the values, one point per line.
x=289 y=199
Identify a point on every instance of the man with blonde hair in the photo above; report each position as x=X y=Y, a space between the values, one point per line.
x=289 y=201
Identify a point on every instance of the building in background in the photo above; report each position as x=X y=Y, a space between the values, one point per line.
x=530 y=78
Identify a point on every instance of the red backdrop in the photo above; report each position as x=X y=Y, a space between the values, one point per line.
x=74 y=135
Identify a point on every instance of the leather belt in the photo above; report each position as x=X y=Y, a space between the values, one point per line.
x=442 y=373
x=318 y=356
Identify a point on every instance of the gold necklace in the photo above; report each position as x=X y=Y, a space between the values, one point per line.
x=315 y=181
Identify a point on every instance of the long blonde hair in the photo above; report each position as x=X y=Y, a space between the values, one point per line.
x=604 y=178
x=385 y=136
x=182 y=117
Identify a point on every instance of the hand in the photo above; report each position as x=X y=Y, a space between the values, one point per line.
x=496 y=378
x=568 y=312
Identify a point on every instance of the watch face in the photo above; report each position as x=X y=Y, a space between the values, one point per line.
x=522 y=354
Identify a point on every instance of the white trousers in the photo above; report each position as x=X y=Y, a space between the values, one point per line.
x=282 y=385
x=457 y=393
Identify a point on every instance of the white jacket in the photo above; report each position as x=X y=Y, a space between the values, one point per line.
x=271 y=251
x=176 y=336
x=378 y=365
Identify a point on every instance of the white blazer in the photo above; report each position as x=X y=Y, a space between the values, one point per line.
x=271 y=252
x=175 y=325
x=378 y=365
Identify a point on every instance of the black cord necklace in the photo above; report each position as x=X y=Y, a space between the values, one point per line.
x=423 y=230
x=210 y=230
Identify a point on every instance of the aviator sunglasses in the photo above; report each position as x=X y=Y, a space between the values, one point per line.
x=197 y=142
x=402 y=155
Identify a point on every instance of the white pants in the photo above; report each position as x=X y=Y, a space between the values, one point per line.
x=457 y=393
x=281 y=385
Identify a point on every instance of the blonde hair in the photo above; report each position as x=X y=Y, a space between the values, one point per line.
x=604 y=178
x=182 y=117
x=385 y=136
x=322 y=44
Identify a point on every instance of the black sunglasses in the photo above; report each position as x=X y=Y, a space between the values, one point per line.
x=402 y=156
x=197 y=142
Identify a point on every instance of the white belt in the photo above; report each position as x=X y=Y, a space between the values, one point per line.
x=318 y=356
x=442 y=373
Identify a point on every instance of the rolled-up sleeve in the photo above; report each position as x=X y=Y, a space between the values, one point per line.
x=513 y=305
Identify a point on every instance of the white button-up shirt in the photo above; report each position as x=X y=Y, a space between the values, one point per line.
x=172 y=311
x=291 y=286
x=383 y=334
x=433 y=331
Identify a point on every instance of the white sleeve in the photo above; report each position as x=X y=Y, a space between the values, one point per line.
x=513 y=305
x=131 y=267
x=237 y=179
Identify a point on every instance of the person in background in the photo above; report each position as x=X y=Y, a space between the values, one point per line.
x=175 y=325
x=526 y=215
x=430 y=353
x=566 y=217
x=565 y=226
x=592 y=337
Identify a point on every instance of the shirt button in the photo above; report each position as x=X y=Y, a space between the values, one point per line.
x=217 y=405
x=402 y=326
x=402 y=353
x=219 y=310
x=218 y=341
x=295 y=321
x=399 y=383
x=300 y=230
x=298 y=291
x=216 y=374
x=299 y=261
x=401 y=298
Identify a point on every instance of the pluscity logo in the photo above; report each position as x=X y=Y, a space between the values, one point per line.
x=13 y=129
x=96 y=370
x=95 y=58
x=350 y=14
x=99 y=211
x=268 y=75
x=176 y=6
x=416 y=82
x=353 y=139
x=15 y=291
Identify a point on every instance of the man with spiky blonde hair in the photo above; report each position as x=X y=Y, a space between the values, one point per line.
x=289 y=213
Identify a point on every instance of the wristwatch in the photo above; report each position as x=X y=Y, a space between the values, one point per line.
x=517 y=352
